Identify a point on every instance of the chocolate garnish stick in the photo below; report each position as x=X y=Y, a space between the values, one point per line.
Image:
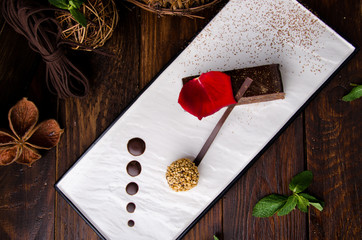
x=223 y=118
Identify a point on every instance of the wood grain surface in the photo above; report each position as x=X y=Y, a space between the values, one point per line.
x=270 y=174
x=325 y=138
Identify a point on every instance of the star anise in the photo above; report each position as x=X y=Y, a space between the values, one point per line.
x=21 y=144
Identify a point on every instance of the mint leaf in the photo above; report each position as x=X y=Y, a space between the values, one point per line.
x=288 y=206
x=63 y=4
x=302 y=203
x=318 y=204
x=78 y=16
x=216 y=238
x=269 y=205
x=301 y=181
x=355 y=93
x=76 y=3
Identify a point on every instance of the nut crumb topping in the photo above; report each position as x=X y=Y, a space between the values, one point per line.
x=182 y=175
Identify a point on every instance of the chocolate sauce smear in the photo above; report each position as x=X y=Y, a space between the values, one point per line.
x=131 y=223
x=131 y=207
x=136 y=146
x=132 y=188
x=134 y=168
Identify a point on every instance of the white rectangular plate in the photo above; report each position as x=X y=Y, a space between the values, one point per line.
x=245 y=33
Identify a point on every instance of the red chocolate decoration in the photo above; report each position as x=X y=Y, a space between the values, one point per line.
x=206 y=94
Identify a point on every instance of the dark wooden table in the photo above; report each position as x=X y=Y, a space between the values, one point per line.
x=325 y=138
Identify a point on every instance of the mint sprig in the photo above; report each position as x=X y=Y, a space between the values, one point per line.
x=72 y=6
x=301 y=181
x=269 y=205
x=302 y=203
x=355 y=93
x=313 y=201
x=282 y=205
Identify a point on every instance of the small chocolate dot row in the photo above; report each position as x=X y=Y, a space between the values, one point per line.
x=136 y=147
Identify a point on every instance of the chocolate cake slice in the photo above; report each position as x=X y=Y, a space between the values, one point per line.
x=267 y=83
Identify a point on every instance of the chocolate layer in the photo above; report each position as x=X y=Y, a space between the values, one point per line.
x=267 y=83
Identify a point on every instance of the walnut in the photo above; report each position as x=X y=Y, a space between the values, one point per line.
x=182 y=175
x=21 y=143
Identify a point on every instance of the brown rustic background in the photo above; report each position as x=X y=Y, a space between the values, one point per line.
x=325 y=138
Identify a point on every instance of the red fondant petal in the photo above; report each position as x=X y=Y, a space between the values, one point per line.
x=207 y=94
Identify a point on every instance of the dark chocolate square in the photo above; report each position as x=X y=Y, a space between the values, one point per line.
x=267 y=83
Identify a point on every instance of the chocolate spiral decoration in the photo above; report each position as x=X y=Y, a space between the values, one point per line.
x=44 y=36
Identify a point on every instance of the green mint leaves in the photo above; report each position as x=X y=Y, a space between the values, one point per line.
x=302 y=203
x=282 y=205
x=78 y=16
x=301 y=181
x=59 y=4
x=355 y=93
x=269 y=205
x=72 y=6
x=288 y=206
x=76 y=3
x=313 y=201
x=216 y=238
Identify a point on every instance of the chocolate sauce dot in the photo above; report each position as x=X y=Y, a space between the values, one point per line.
x=134 y=168
x=132 y=188
x=131 y=223
x=136 y=146
x=131 y=207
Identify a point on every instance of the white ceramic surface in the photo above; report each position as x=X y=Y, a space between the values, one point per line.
x=245 y=33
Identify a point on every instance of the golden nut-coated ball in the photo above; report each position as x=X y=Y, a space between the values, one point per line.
x=182 y=175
